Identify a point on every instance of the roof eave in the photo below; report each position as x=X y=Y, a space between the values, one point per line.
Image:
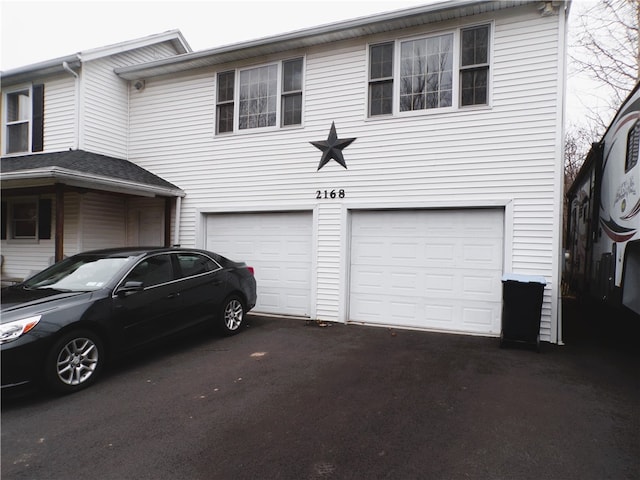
x=91 y=181
x=54 y=66
x=344 y=30
x=35 y=71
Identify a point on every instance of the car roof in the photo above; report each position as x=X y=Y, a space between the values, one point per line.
x=139 y=251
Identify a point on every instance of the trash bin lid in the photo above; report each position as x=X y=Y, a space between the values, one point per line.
x=518 y=277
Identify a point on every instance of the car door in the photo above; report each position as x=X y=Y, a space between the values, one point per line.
x=203 y=287
x=148 y=313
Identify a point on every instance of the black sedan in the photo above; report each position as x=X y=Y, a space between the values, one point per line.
x=62 y=324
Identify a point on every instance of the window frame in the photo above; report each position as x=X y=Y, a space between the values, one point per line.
x=293 y=93
x=181 y=272
x=476 y=67
x=426 y=39
x=10 y=221
x=381 y=80
x=456 y=95
x=279 y=102
x=6 y=123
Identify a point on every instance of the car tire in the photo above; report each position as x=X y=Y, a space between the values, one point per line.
x=231 y=315
x=74 y=362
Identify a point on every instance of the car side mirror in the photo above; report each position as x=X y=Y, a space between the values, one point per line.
x=130 y=287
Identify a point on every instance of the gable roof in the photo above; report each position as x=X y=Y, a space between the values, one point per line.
x=355 y=28
x=84 y=169
x=56 y=65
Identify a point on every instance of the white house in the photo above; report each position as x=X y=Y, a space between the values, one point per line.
x=67 y=185
x=386 y=170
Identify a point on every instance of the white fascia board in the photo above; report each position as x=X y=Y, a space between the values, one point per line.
x=39 y=70
x=171 y=36
x=85 y=180
x=353 y=28
x=54 y=66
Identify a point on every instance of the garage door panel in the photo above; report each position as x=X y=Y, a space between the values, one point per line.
x=439 y=283
x=445 y=276
x=479 y=286
x=477 y=319
x=278 y=246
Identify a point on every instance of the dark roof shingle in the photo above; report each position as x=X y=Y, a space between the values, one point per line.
x=87 y=163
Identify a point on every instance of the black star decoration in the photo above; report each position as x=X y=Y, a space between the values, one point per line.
x=332 y=147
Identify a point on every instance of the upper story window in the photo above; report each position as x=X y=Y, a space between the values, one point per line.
x=260 y=97
x=292 y=92
x=18 y=120
x=426 y=69
x=225 y=105
x=633 y=145
x=24 y=120
x=381 y=79
x=474 y=65
x=426 y=73
x=258 y=94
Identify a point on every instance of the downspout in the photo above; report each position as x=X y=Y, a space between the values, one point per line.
x=59 y=231
x=565 y=38
x=75 y=74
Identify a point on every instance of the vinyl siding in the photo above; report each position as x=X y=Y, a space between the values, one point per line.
x=59 y=114
x=105 y=112
x=41 y=252
x=72 y=237
x=102 y=220
x=503 y=153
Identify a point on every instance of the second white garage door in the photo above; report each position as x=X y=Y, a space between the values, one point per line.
x=431 y=269
x=278 y=246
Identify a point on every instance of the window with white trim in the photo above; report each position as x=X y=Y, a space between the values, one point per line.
x=426 y=69
x=18 y=121
x=260 y=97
x=381 y=79
x=225 y=104
x=292 y=92
x=24 y=120
x=474 y=65
x=26 y=218
x=425 y=73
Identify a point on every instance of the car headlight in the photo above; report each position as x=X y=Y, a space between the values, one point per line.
x=13 y=330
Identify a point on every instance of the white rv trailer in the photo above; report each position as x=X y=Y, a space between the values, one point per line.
x=603 y=235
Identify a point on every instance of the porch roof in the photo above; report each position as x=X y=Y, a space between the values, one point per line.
x=84 y=170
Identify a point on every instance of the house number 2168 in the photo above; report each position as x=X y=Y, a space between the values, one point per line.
x=322 y=194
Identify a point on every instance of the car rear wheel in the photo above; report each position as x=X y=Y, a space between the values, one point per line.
x=232 y=315
x=74 y=362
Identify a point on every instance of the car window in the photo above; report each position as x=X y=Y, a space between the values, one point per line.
x=195 y=264
x=80 y=273
x=152 y=271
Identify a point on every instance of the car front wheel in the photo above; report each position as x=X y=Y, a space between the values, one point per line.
x=74 y=362
x=232 y=315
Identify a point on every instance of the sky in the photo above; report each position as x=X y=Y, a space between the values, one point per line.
x=33 y=31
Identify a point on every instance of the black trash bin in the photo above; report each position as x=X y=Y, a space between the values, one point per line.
x=521 y=309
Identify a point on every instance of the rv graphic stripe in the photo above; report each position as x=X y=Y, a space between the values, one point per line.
x=616 y=232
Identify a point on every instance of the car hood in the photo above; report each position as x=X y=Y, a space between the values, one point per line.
x=20 y=298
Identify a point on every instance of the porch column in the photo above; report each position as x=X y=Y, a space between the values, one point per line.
x=167 y=221
x=59 y=248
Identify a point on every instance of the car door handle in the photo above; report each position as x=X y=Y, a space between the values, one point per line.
x=173 y=295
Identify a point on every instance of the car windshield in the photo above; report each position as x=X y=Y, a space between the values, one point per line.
x=81 y=273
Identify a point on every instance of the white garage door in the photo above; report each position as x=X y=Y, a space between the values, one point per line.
x=278 y=246
x=431 y=269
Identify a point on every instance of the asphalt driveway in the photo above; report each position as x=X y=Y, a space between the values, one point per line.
x=291 y=400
